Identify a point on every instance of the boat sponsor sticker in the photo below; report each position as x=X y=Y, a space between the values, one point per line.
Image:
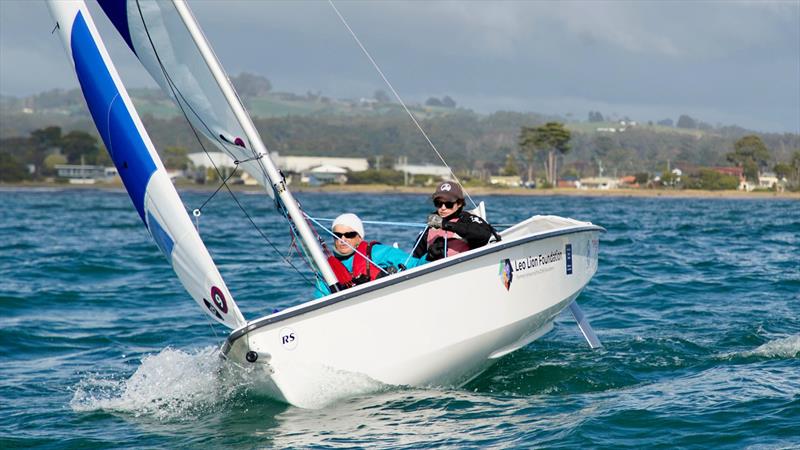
x=506 y=273
x=568 y=253
x=530 y=265
x=288 y=338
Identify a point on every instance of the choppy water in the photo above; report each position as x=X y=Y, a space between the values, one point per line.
x=697 y=303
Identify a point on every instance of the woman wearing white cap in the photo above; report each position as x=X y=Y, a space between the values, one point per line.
x=356 y=261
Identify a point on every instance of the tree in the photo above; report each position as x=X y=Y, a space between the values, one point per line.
x=685 y=121
x=448 y=102
x=45 y=138
x=433 y=101
x=381 y=96
x=176 y=158
x=11 y=169
x=783 y=170
x=250 y=85
x=551 y=137
x=712 y=181
x=751 y=154
x=79 y=143
x=795 y=164
x=603 y=145
x=511 y=167
x=642 y=178
x=51 y=161
x=595 y=116
x=666 y=122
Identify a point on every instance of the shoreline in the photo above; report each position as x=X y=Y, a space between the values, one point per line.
x=387 y=189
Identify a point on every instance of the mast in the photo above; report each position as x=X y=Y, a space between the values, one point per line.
x=275 y=177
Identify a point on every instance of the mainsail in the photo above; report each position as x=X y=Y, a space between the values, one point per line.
x=169 y=43
x=155 y=32
x=139 y=166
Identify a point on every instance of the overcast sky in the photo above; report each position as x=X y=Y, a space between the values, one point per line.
x=719 y=61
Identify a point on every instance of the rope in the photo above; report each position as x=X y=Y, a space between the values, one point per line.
x=397 y=96
x=379 y=222
x=419 y=238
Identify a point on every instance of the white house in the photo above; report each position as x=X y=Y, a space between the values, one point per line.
x=597 y=183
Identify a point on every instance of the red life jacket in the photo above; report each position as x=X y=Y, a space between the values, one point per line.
x=363 y=270
x=455 y=243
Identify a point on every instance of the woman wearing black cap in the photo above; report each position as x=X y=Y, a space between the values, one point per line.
x=451 y=230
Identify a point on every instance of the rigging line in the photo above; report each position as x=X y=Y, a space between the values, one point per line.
x=397 y=96
x=348 y=244
x=175 y=92
x=419 y=238
x=180 y=97
x=380 y=222
x=218 y=188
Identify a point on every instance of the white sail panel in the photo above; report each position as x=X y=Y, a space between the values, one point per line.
x=160 y=40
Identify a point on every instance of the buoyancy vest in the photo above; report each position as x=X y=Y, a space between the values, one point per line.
x=363 y=270
x=455 y=243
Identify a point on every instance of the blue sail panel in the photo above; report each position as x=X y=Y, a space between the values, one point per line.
x=117 y=12
x=113 y=119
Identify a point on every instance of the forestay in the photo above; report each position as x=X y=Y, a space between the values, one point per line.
x=161 y=41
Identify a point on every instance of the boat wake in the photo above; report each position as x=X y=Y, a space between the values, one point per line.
x=788 y=347
x=176 y=384
x=168 y=385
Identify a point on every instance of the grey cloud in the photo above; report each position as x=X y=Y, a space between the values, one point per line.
x=725 y=60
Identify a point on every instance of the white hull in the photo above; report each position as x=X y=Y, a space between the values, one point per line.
x=440 y=324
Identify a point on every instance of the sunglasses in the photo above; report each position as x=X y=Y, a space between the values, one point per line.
x=438 y=204
x=348 y=235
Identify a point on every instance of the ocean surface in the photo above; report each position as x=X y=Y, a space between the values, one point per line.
x=696 y=300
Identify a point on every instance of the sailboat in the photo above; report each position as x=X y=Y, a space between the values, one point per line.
x=396 y=330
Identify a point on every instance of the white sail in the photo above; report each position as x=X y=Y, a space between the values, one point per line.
x=169 y=43
x=138 y=164
x=157 y=35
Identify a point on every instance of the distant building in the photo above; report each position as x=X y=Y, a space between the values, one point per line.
x=737 y=172
x=598 y=183
x=300 y=164
x=309 y=169
x=325 y=175
x=628 y=181
x=424 y=169
x=220 y=160
x=85 y=174
x=510 y=181
x=768 y=180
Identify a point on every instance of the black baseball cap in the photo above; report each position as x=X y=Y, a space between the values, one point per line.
x=448 y=191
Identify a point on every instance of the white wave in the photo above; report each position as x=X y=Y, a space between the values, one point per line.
x=170 y=384
x=788 y=347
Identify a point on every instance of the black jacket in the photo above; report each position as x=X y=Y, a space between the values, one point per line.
x=471 y=228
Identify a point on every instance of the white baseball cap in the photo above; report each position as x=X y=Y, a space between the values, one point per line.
x=350 y=220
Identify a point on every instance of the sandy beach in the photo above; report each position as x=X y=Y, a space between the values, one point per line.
x=475 y=190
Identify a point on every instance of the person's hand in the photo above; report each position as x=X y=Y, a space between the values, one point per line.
x=436 y=249
x=434 y=221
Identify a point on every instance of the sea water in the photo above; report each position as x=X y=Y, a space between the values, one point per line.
x=697 y=302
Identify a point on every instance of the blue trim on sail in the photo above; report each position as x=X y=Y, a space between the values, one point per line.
x=113 y=119
x=117 y=11
x=160 y=235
